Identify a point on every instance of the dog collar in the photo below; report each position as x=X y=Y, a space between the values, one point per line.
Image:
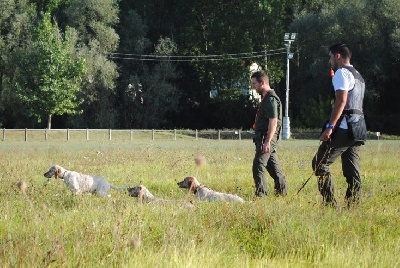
x=197 y=188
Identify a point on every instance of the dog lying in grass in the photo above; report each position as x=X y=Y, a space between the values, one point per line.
x=204 y=193
x=143 y=195
x=80 y=183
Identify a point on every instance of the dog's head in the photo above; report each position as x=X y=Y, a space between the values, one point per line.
x=55 y=171
x=189 y=183
x=135 y=191
x=141 y=193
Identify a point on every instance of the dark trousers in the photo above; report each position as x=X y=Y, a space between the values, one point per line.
x=269 y=161
x=340 y=145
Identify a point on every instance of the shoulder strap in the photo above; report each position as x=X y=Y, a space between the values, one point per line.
x=272 y=93
x=354 y=72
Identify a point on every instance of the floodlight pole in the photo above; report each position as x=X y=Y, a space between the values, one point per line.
x=289 y=38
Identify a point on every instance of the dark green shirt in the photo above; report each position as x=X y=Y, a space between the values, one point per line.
x=270 y=107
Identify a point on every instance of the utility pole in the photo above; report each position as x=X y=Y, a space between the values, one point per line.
x=288 y=38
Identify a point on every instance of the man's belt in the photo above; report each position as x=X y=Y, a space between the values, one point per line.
x=352 y=111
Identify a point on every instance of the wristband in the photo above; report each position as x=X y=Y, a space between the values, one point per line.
x=328 y=125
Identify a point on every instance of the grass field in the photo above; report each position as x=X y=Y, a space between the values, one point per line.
x=48 y=226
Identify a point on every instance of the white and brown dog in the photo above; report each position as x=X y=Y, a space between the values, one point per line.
x=143 y=195
x=204 y=193
x=81 y=183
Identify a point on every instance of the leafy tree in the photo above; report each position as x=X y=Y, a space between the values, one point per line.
x=97 y=90
x=314 y=111
x=94 y=21
x=388 y=20
x=49 y=77
x=369 y=27
x=119 y=92
x=218 y=27
x=47 y=6
x=159 y=97
x=133 y=40
x=16 y=20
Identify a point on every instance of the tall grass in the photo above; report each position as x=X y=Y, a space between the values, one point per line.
x=48 y=226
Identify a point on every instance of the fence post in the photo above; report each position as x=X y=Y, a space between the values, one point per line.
x=109 y=134
x=152 y=134
x=26 y=134
x=131 y=135
x=174 y=134
x=67 y=134
x=4 y=134
x=219 y=134
x=197 y=135
x=87 y=134
x=45 y=134
x=240 y=135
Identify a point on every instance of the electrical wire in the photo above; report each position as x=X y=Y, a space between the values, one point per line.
x=180 y=58
x=201 y=56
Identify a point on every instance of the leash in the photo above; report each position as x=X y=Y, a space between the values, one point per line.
x=316 y=168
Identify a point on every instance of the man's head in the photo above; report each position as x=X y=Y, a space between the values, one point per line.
x=339 y=55
x=260 y=81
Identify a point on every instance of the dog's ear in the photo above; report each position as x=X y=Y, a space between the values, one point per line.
x=58 y=172
x=191 y=183
x=140 y=196
x=192 y=180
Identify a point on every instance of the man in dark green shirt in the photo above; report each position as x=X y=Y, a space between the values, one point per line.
x=267 y=126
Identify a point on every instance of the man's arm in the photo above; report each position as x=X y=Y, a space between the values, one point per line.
x=272 y=124
x=338 y=106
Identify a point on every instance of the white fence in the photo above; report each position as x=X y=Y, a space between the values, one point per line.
x=120 y=134
x=146 y=134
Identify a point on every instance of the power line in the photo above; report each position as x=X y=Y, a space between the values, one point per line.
x=181 y=58
x=194 y=59
x=202 y=56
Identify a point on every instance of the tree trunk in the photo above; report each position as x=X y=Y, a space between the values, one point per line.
x=49 y=122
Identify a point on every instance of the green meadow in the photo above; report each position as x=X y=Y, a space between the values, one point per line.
x=45 y=225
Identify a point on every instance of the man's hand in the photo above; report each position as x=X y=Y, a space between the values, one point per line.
x=266 y=147
x=326 y=135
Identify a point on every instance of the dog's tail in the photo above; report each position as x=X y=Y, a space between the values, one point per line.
x=123 y=187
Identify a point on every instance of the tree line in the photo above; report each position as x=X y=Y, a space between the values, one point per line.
x=153 y=64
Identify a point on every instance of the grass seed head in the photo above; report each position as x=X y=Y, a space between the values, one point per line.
x=22 y=186
x=200 y=161
x=136 y=242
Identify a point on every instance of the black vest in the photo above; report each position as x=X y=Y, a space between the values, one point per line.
x=355 y=96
